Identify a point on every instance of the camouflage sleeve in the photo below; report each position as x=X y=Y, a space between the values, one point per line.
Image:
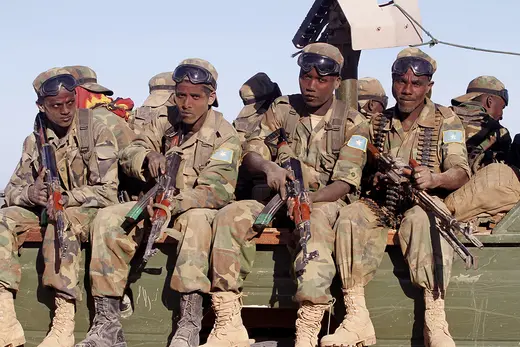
x=101 y=190
x=353 y=154
x=255 y=141
x=149 y=139
x=16 y=191
x=453 y=147
x=216 y=183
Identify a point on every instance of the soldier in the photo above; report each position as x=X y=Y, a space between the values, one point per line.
x=494 y=187
x=434 y=136
x=86 y=158
x=372 y=98
x=330 y=141
x=257 y=94
x=162 y=95
x=210 y=152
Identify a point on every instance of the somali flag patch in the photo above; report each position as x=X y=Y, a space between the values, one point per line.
x=452 y=136
x=358 y=142
x=225 y=155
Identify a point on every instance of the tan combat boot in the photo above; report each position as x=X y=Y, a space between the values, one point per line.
x=356 y=328
x=436 y=332
x=62 y=330
x=11 y=332
x=308 y=324
x=228 y=330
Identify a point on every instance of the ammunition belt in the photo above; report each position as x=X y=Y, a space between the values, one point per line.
x=428 y=139
x=384 y=217
x=380 y=122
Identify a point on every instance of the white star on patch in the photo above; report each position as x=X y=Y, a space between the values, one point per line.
x=453 y=136
x=359 y=143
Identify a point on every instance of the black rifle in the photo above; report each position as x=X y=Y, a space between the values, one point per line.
x=313 y=24
x=449 y=226
x=52 y=179
x=298 y=194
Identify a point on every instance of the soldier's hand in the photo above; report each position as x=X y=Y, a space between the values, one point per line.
x=424 y=179
x=276 y=179
x=37 y=191
x=156 y=163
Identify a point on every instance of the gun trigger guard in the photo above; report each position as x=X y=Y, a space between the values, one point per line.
x=168 y=215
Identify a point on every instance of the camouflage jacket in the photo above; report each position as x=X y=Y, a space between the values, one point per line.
x=210 y=159
x=487 y=141
x=123 y=133
x=144 y=115
x=436 y=139
x=310 y=145
x=92 y=185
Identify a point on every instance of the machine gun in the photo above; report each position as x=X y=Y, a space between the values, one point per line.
x=52 y=179
x=449 y=226
x=300 y=199
x=313 y=24
x=161 y=193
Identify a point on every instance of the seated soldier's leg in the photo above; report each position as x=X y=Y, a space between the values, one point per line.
x=232 y=258
x=493 y=189
x=313 y=292
x=112 y=251
x=430 y=259
x=62 y=272
x=360 y=246
x=14 y=223
x=190 y=275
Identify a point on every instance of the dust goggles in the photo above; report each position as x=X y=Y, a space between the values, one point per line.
x=504 y=94
x=382 y=99
x=324 y=65
x=51 y=87
x=419 y=66
x=196 y=75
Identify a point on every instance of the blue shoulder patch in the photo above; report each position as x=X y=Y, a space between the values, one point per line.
x=223 y=154
x=358 y=142
x=452 y=136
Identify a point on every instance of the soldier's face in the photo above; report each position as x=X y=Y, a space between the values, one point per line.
x=495 y=106
x=316 y=89
x=193 y=101
x=60 y=109
x=410 y=90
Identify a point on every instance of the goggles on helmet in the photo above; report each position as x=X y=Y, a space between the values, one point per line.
x=324 y=65
x=51 y=87
x=419 y=66
x=196 y=75
x=504 y=94
x=382 y=99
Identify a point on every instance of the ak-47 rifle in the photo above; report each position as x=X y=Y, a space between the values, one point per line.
x=449 y=226
x=161 y=193
x=300 y=199
x=52 y=179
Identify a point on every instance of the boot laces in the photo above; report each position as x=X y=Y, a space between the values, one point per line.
x=224 y=313
x=308 y=322
x=61 y=320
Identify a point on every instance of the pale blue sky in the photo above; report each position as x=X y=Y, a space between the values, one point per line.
x=127 y=42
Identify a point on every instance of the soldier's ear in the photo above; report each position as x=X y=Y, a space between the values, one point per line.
x=337 y=82
x=40 y=107
x=430 y=86
x=489 y=102
x=212 y=97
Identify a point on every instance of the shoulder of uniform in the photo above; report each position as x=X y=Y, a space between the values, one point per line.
x=468 y=109
x=446 y=112
x=355 y=116
x=225 y=127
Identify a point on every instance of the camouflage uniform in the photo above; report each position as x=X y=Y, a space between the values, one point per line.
x=370 y=89
x=494 y=187
x=88 y=187
x=435 y=140
x=162 y=90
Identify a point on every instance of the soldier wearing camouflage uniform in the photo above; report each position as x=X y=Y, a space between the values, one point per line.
x=210 y=152
x=330 y=141
x=162 y=96
x=86 y=159
x=494 y=187
x=372 y=98
x=434 y=136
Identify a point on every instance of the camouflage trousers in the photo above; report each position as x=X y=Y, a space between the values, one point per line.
x=362 y=240
x=314 y=284
x=63 y=275
x=211 y=250
x=492 y=190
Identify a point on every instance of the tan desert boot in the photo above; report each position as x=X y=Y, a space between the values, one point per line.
x=62 y=329
x=308 y=324
x=11 y=332
x=436 y=332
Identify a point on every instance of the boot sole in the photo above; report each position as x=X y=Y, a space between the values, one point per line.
x=16 y=342
x=369 y=341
